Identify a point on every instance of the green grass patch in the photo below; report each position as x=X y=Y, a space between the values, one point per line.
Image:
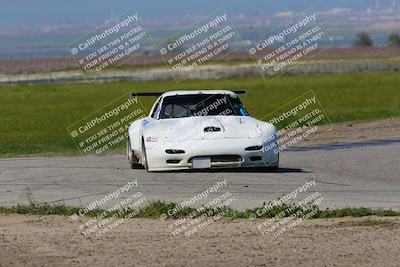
x=34 y=118
x=155 y=209
x=371 y=223
x=356 y=212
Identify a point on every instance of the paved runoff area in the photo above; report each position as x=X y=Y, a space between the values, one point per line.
x=352 y=174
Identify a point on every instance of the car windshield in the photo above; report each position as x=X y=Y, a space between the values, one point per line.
x=181 y=106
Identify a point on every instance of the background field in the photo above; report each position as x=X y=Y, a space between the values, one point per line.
x=49 y=64
x=33 y=118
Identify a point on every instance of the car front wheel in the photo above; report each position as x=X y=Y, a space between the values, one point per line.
x=133 y=160
x=144 y=157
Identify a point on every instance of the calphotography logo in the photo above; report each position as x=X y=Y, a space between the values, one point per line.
x=277 y=51
x=212 y=204
x=111 y=44
x=205 y=42
x=106 y=130
x=287 y=212
x=298 y=122
x=112 y=210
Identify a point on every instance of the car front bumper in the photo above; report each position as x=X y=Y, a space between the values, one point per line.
x=224 y=153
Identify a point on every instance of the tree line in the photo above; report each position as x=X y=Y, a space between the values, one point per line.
x=364 y=39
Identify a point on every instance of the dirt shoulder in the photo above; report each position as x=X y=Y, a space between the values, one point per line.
x=383 y=129
x=56 y=241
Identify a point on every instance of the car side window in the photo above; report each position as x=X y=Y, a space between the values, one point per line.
x=154 y=113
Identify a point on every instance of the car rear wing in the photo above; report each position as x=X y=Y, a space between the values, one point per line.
x=238 y=92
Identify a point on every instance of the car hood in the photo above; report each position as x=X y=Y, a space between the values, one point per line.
x=208 y=127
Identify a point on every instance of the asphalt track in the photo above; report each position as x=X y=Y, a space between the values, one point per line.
x=363 y=174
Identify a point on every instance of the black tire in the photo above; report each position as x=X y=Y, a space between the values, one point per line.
x=133 y=160
x=276 y=167
x=273 y=169
x=144 y=157
x=270 y=168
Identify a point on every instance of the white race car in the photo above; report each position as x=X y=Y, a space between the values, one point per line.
x=200 y=130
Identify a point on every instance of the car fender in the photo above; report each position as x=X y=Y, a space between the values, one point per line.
x=135 y=133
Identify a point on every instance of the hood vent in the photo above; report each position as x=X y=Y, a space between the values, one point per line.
x=212 y=129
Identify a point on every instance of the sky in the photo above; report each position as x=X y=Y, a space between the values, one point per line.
x=17 y=12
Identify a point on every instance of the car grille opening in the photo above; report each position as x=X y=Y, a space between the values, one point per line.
x=175 y=151
x=223 y=159
x=255 y=158
x=253 y=148
x=173 y=161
